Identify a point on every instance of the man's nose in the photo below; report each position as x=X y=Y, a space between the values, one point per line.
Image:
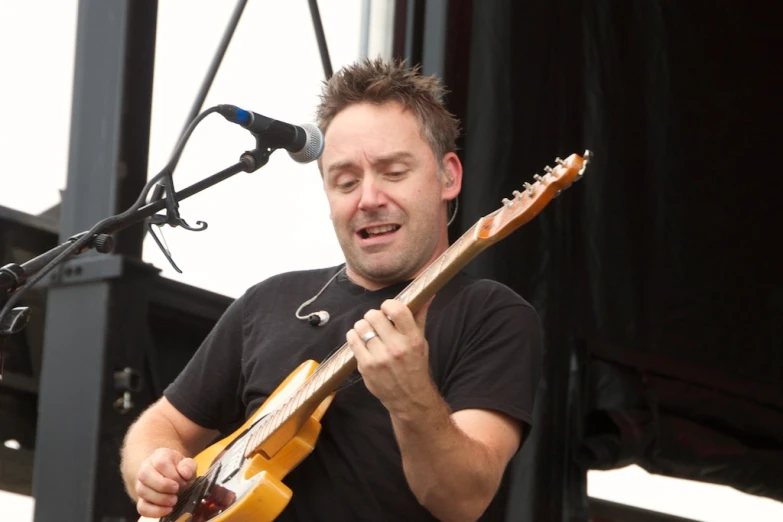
x=372 y=195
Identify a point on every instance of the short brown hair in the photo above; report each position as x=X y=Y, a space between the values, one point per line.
x=378 y=81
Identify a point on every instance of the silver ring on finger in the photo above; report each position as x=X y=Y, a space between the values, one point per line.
x=369 y=335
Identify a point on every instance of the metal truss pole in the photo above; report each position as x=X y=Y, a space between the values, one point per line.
x=92 y=309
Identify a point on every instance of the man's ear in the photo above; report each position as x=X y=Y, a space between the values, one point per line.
x=452 y=176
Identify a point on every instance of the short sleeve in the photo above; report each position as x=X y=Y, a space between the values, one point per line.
x=499 y=363
x=208 y=390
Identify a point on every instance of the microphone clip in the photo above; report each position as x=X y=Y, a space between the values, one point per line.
x=258 y=157
x=171 y=218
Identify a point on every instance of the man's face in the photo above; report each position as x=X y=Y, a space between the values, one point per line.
x=386 y=199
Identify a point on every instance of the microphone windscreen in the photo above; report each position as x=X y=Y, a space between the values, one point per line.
x=313 y=147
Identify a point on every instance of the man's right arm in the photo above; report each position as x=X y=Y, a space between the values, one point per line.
x=156 y=457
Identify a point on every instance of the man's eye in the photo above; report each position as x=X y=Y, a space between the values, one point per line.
x=396 y=174
x=347 y=185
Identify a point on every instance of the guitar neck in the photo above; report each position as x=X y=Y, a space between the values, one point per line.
x=334 y=370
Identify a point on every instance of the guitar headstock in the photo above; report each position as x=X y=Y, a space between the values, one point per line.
x=527 y=204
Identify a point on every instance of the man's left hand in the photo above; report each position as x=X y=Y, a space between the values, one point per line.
x=395 y=361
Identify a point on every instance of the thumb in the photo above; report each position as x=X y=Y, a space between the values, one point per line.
x=187 y=468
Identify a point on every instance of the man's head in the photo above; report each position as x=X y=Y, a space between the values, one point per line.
x=377 y=82
x=389 y=168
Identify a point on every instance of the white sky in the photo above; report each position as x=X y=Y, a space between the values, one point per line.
x=260 y=224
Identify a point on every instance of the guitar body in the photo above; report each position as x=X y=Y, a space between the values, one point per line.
x=232 y=488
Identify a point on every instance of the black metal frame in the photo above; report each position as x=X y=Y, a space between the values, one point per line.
x=78 y=432
x=420 y=30
x=320 y=36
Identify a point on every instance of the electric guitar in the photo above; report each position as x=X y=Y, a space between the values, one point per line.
x=239 y=478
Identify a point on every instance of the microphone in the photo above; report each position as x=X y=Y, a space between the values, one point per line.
x=304 y=143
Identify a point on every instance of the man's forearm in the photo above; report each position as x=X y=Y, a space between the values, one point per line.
x=149 y=433
x=446 y=470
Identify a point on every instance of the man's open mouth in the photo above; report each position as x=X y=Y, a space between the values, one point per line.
x=367 y=233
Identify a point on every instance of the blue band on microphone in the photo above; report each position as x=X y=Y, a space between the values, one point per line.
x=243 y=117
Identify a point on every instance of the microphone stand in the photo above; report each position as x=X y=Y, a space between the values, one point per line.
x=16 y=279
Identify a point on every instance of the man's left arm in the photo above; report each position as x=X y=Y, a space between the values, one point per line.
x=453 y=461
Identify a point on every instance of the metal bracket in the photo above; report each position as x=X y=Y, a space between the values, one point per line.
x=95 y=268
x=127 y=381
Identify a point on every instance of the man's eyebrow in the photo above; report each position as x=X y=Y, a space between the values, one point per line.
x=394 y=157
x=383 y=160
x=340 y=165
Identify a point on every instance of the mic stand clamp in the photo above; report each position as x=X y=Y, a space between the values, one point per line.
x=258 y=157
x=251 y=161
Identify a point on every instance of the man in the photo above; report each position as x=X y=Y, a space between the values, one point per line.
x=445 y=395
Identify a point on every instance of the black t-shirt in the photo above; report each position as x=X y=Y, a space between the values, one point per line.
x=485 y=352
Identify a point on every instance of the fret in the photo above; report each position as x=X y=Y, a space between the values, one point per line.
x=264 y=432
x=297 y=399
x=313 y=383
x=275 y=422
x=326 y=368
x=272 y=425
x=318 y=379
x=429 y=272
x=404 y=295
x=463 y=242
x=287 y=409
x=445 y=257
x=254 y=440
x=412 y=291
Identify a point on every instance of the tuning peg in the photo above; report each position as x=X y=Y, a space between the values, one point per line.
x=549 y=169
x=537 y=177
x=517 y=194
x=528 y=187
x=587 y=157
x=559 y=161
x=506 y=202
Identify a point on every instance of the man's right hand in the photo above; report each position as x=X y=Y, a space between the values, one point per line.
x=161 y=476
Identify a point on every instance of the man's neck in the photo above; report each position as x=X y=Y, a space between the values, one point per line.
x=377 y=284
x=369 y=284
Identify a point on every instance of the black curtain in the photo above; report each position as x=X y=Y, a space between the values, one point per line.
x=657 y=277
